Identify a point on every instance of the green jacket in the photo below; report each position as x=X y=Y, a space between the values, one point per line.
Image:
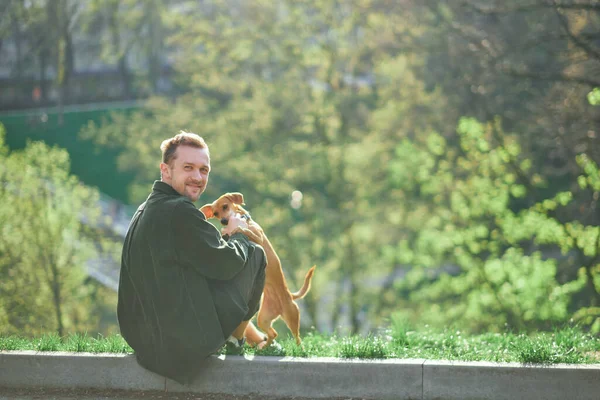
x=172 y=260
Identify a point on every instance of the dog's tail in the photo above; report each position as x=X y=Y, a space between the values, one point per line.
x=306 y=287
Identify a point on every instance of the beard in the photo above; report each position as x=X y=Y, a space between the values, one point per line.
x=193 y=190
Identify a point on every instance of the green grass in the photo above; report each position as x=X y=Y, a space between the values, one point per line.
x=569 y=345
x=73 y=343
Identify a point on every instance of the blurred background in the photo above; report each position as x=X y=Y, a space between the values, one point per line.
x=437 y=160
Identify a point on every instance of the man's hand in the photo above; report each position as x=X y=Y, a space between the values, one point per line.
x=235 y=223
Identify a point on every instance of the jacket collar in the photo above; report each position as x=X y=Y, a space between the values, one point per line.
x=162 y=187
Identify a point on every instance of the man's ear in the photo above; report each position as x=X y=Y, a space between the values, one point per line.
x=164 y=172
x=236 y=198
x=207 y=210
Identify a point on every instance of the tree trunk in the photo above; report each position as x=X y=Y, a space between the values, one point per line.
x=117 y=47
x=337 y=307
x=311 y=309
x=594 y=295
x=125 y=77
x=57 y=298
x=155 y=34
x=61 y=80
x=43 y=57
x=69 y=60
x=58 y=18
x=354 y=324
x=18 y=48
x=353 y=297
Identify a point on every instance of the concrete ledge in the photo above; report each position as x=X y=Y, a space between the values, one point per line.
x=450 y=380
x=308 y=378
x=22 y=369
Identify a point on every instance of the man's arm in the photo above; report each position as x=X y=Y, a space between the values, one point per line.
x=199 y=245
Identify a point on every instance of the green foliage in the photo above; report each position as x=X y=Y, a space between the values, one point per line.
x=48 y=342
x=327 y=98
x=73 y=342
x=78 y=343
x=400 y=328
x=594 y=97
x=44 y=242
x=464 y=215
x=561 y=346
x=360 y=347
x=566 y=345
x=591 y=177
x=589 y=316
x=285 y=107
x=14 y=343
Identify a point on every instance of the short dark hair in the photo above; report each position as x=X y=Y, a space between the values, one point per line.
x=169 y=146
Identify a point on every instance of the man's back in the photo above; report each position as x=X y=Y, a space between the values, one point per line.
x=165 y=311
x=183 y=290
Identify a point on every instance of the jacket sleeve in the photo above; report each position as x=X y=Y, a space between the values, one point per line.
x=199 y=245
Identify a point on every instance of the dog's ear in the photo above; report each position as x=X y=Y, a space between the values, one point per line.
x=236 y=198
x=207 y=210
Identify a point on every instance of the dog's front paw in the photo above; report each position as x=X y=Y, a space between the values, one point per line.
x=227 y=234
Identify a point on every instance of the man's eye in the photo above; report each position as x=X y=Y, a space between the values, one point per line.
x=187 y=167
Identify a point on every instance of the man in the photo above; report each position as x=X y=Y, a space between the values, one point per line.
x=183 y=290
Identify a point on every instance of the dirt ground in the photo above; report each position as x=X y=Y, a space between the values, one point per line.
x=67 y=394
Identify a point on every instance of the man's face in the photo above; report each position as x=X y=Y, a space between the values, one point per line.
x=188 y=171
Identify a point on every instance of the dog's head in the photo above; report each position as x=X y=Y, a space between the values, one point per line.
x=225 y=206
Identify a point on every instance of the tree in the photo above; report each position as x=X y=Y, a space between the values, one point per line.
x=476 y=262
x=44 y=242
x=530 y=63
x=317 y=98
x=130 y=30
x=284 y=93
x=27 y=25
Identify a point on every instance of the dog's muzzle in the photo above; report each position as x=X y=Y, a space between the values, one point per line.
x=225 y=221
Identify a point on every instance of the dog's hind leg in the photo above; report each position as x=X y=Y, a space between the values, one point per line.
x=291 y=316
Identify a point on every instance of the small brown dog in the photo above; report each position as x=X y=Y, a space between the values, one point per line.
x=277 y=300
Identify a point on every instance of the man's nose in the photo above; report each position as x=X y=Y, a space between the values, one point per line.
x=197 y=175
